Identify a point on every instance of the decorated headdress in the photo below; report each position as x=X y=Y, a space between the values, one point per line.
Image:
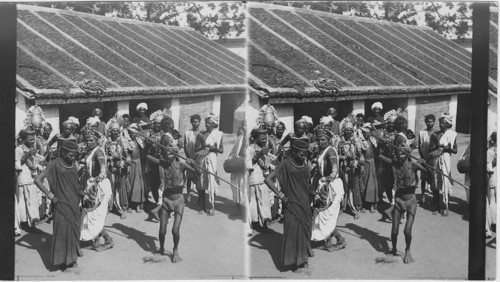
x=156 y=116
x=113 y=124
x=142 y=105
x=308 y=119
x=92 y=121
x=393 y=114
x=267 y=114
x=213 y=118
x=324 y=132
x=447 y=118
x=34 y=115
x=92 y=133
x=74 y=120
x=326 y=120
x=347 y=122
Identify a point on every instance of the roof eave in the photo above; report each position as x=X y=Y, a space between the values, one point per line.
x=57 y=96
x=311 y=94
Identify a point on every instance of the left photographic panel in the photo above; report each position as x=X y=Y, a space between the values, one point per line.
x=129 y=123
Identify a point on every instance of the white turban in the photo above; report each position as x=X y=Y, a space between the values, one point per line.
x=307 y=119
x=213 y=118
x=377 y=105
x=326 y=120
x=447 y=118
x=92 y=120
x=74 y=120
x=142 y=105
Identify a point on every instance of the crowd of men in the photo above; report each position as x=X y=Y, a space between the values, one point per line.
x=304 y=178
x=76 y=177
x=307 y=177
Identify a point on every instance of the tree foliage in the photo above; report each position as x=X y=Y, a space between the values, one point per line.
x=451 y=19
x=214 y=20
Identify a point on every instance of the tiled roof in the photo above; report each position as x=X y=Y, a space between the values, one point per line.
x=130 y=58
x=289 y=47
x=493 y=55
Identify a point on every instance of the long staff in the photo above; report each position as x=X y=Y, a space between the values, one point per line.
x=184 y=158
x=415 y=158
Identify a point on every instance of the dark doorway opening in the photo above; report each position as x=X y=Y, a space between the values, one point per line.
x=464 y=113
x=153 y=106
x=84 y=110
x=316 y=110
x=387 y=103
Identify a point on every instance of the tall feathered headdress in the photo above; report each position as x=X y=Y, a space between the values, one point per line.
x=34 y=115
x=267 y=114
x=113 y=123
x=347 y=122
x=393 y=114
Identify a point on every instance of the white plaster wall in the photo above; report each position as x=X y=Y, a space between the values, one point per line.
x=216 y=105
x=358 y=106
x=123 y=107
x=20 y=112
x=453 y=109
x=51 y=113
x=412 y=113
x=175 y=109
x=285 y=115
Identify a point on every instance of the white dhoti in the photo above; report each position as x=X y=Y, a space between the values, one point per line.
x=93 y=221
x=324 y=222
x=28 y=205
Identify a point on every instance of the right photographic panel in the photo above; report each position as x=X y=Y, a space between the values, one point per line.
x=359 y=132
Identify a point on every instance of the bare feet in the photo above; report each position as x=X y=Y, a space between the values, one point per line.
x=445 y=213
x=373 y=209
x=357 y=216
x=394 y=252
x=407 y=257
x=176 y=258
x=363 y=210
x=123 y=216
x=155 y=212
x=188 y=199
x=161 y=251
x=129 y=210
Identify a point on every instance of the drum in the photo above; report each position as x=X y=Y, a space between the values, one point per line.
x=234 y=165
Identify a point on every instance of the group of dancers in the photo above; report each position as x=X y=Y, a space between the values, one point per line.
x=76 y=177
x=308 y=177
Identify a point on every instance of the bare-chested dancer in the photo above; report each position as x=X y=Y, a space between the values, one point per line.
x=172 y=198
x=405 y=199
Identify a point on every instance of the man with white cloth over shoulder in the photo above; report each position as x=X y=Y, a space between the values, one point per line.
x=208 y=146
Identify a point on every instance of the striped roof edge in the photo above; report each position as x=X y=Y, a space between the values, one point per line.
x=374 y=87
x=130 y=58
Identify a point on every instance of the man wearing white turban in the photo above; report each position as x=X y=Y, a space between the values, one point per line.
x=377 y=115
x=141 y=109
x=208 y=146
x=443 y=143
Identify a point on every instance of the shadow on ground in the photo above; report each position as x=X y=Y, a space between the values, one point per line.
x=146 y=242
x=42 y=243
x=379 y=243
x=270 y=241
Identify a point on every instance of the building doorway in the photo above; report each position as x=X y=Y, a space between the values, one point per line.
x=83 y=111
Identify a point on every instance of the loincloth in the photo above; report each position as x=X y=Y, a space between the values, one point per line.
x=406 y=203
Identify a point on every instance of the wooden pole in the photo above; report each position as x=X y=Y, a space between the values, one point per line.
x=478 y=143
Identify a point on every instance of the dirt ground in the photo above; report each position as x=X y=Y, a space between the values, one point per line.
x=439 y=246
x=211 y=247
